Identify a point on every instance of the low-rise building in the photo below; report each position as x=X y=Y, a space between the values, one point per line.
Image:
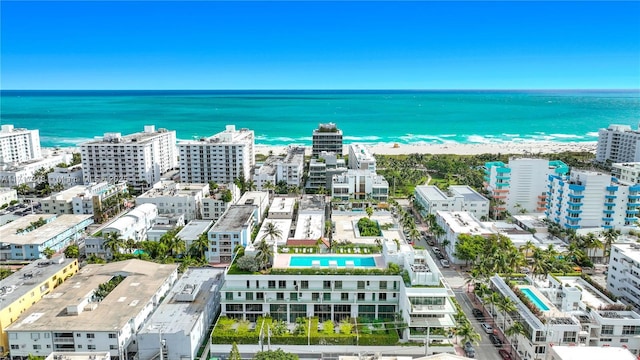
x=456 y=223
x=232 y=229
x=181 y=322
x=219 y=200
x=67 y=176
x=7 y=195
x=25 y=287
x=567 y=352
x=259 y=199
x=92 y=199
x=27 y=238
x=78 y=317
x=135 y=224
x=191 y=232
x=360 y=185
x=163 y=224
x=457 y=198
x=171 y=197
x=322 y=170
x=282 y=208
x=13 y=174
x=360 y=158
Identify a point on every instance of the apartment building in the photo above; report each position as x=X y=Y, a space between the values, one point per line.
x=568 y=352
x=569 y=311
x=18 y=145
x=310 y=223
x=333 y=293
x=456 y=198
x=26 y=238
x=83 y=199
x=77 y=317
x=24 y=173
x=360 y=158
x=219 y=200
x=232 y=229
x=456 y=223
x=626 y=173
x=192 y=231
x=181 y=323
x=67 y=176
x=7 y=195
x=360 y=185
x=521 y=184
x=140 y=159
x=591 y=199
x=623 y=274
x=327 y=137
x=171 y=197
x=134 y=224
x=258 y=199
x=221 y=158
x=28 y=285
x=322 y=169
x=618 y=144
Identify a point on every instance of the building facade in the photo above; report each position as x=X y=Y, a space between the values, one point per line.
x=19 y=145
x=232 y=229
x=360 y=158
x=67 y=176
x=360 y=185
x=327 y=137
x=457 y=198
x=221 y=158
x=140 y=159
x=171 y=197
x=618 y=144
x=322 y=170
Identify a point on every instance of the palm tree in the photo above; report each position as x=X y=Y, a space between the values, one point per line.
x=506 y=305
x=23 y=189
x=438 y=231
x=492 y=299
x=467 y=333
x=591 y=242
x=527 y=248
x=199 y=246
x=610 y=236
x=272 y=232
x=514 y=330
x=414 y=234
x=113 y=242
x=269 y=186
x=369 y=211
x=264 y=254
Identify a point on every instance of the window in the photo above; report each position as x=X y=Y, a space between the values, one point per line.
x=113 y=347
x=383 y=285
x=15 y=347
x=344 y=296
x=606 y=330
x=382 y=296
x=326 y=284
x=228 y=295
x=112 y=336
x=624 y=340
x=304 y=284
x=293 y=296
x=360 y=296
x=360 y=285
x=249 y=296
x=260 y=296
x=540 y=349
x=630 y=330
x=337 y=284
x=315 y=296
x=326 y=296
x=38 y=347
x=272 y=284
x=279 y=296
x=282 y=284
x=569 y=337
x=540 y=336
x=91 y=336
x=91 y=347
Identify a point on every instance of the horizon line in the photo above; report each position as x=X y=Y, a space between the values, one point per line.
x=355 y=89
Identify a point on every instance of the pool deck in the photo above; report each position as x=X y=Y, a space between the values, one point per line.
x=553 y=311
x=282 y=261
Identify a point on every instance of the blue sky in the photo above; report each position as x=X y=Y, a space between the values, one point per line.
x=319 y=45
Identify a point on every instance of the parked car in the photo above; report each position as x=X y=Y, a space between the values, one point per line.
x=504 y=354
x=468 y=345
x=439 y=256
x=487 y=328
x=495 y=340
x=431 y=242
x=478 y=313
x=471 y=353
x=444 y=263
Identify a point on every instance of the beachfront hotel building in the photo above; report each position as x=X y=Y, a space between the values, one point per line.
x=181 y=322
x=327 y=137
x=521 y=185
x=221 y=158
x=589 y=199
x=140 y=159
x=28 y=285
x=18 y=145
x=618 y=144
x=456 y=198
x=171 y=197
x=232 y=229
x=26 y=238
x=75 y=317
x=564 y=311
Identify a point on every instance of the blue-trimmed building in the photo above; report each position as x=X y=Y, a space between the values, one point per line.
x=591 y=199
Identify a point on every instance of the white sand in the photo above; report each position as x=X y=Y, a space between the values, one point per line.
x=522 y=148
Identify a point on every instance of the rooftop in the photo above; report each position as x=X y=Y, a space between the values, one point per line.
x=229 y=136
x=94 y=355
x=143 y=279
x=462 y=222
x=194 y=228
x=186 y=301
x=56 y=225
x=253 y=198
x=431 y=192
x=170 y=188
x=591 y=353
x=282 y=205
x=234 y=218
x=147 y=135
x=283 y=225
x=467 y=192
x=309 y=226
x=24 y=280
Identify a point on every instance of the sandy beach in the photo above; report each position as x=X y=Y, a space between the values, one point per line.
x=520 y=148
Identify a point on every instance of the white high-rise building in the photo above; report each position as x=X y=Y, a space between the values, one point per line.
x=139 y=159
x=221 y=158
x=591 y=199
x=618 y=143
x=19 y=145
x=522 y=183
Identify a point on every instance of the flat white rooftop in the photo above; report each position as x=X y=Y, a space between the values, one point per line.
x=590 y=353
x=431 y=193
x=282 y=205
x=170 y=188
x=194 y=228
x=57 y=225
x=309 y=226
x=283 y=225
x=630 y=250
x=462 y=222
x=345 y=222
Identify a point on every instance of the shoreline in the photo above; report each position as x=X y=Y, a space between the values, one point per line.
x=516 y=148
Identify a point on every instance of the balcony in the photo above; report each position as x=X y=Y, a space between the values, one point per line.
x=572 y=219
x=608 y=196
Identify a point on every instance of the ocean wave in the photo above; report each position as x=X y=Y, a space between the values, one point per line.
x=567 y=136
x=62 y=141
x=592 y=134
x=360 y=138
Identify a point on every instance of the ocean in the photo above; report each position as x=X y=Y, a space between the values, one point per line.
x=67 y=118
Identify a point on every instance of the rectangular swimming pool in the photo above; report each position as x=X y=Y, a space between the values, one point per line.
x=362 y=261
x=534 y=299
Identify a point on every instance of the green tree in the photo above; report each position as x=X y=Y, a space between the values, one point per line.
x=113 y=242
x=264 y=254
x=506 y=306
x=72 y=251
x=467 y=333
x=275 y=355
x=235 y=353
x=48 y=252
x=199 y=246
x=271 y=231
x=369 y=211
x=610 y=236
x=248 y=263
x=5 y=272
x=514 y=330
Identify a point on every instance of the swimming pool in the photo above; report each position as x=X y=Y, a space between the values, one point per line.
x=534 y=299
x=362 y=261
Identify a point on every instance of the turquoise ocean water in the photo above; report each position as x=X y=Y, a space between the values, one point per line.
x=66 y=118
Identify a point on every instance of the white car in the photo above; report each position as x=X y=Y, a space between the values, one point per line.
x=444 y=263
x=487 y=328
